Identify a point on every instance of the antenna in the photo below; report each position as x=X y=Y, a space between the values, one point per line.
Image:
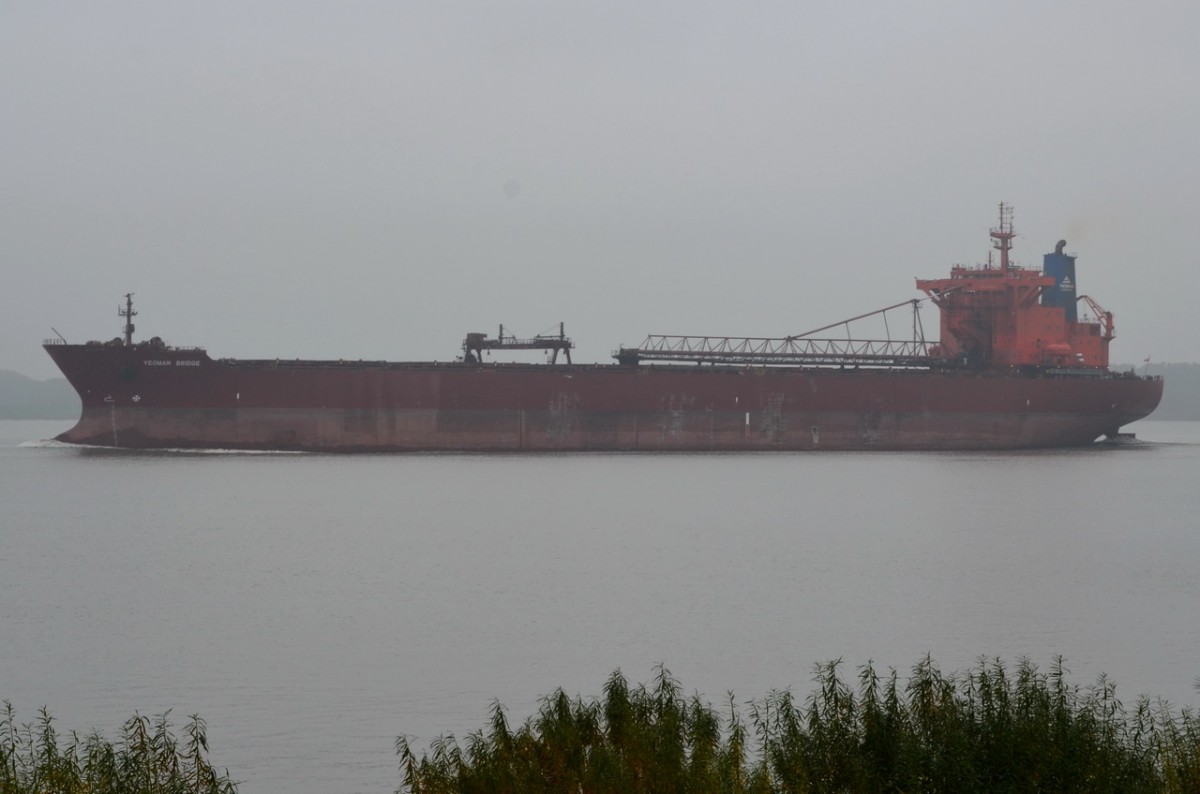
x=128 y=313
x=1003 y=235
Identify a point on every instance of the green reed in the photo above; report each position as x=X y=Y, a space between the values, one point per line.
x=990 y=729
x=149 y=759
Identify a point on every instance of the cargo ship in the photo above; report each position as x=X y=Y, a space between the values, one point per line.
x=1016 y=365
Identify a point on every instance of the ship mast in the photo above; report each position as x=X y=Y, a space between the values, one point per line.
x=1003 y=236
x=128 y=313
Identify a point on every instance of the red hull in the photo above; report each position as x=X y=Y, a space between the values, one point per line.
x=144 y=397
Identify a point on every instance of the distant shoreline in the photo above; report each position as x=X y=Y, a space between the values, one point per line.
x=22 y=397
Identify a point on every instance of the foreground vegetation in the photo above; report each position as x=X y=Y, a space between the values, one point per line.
x=148 y=760
x=988 y=730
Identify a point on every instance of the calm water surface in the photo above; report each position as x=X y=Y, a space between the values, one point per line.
x=314 y=607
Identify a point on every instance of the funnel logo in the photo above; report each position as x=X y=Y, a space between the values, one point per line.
x=1066 y=285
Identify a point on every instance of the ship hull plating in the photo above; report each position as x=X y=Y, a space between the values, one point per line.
x=146 y=398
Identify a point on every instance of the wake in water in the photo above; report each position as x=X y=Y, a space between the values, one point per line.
x=53 y=443
x=46 y=443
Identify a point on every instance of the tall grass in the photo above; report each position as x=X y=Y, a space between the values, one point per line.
x=148 y=760
x=987 y=730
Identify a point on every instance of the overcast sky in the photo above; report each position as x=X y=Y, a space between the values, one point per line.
x=375 y=179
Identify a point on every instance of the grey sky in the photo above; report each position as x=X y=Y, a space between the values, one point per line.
x=375 y=179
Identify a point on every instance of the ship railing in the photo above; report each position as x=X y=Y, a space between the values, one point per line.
x=54 y=341
x=160 y=345
x=784 y=351
x=531 y=342
x=295 y=363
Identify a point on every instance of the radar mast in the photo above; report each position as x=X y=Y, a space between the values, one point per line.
x=128 y=313
x=1003 y=236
